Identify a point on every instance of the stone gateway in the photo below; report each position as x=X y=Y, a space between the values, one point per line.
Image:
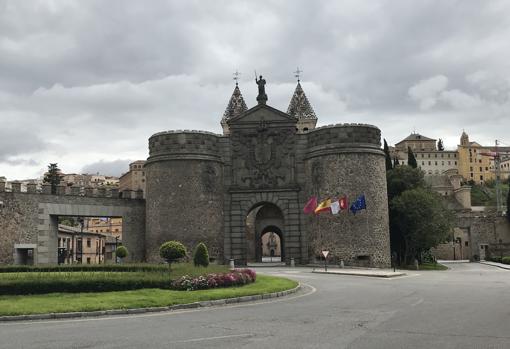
x=230 y=190
x=242 y=193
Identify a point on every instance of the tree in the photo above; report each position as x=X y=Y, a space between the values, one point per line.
x=389 y=165
x=423 y=221
x=508 y=204
x=201 y=256
x=440 y=146
x=403 y=178
x=395 y=162
x=411 y=160
x=53 y=177
x=172 y=251
x=121 y=252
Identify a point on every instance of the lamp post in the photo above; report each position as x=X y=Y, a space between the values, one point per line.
x=80 y=220
x=116 y=243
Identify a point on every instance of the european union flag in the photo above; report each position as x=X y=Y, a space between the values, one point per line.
x=359 y=204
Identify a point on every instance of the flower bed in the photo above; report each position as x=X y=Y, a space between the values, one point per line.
x=237 y=277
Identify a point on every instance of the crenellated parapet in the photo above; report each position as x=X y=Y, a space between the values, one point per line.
x=343 y=138
x=184 y=145
x=62 y=190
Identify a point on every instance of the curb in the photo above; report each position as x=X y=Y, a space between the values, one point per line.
x=97 y=313
x=498 y=265
x=387 y=276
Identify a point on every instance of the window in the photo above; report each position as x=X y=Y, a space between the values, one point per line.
x=89 y=242
x=88 y=260
x=480 y=161
x=481 y=169
x=441 y=155
x=442 y=163
x=486 y=169
x=466 y=243
x=455 y=162
x=435 y=155
x=471 y=168
x=481 y=178
x=471 y=174
x=435 y=163
x=429 y=163
x=423 y=162
x=449 y=162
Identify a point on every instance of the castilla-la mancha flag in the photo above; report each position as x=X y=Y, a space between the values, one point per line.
x=343 y=203
x=311 y=205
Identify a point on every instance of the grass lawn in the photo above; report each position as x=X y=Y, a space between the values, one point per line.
x=72 y=302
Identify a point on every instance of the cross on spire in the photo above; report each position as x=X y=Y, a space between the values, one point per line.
x=297 y=73
x=236 y=77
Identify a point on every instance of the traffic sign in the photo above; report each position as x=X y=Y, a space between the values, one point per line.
x=325 y=254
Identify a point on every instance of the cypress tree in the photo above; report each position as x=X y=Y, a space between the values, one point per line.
x=411 y=160
x=53 y=177
x=396 y=162
x=389 y=165
x=508 y=203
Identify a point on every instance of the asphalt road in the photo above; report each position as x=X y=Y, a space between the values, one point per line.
x=465 y=307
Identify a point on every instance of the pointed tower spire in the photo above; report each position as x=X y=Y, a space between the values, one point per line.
x=301 y=108
x=236 y=106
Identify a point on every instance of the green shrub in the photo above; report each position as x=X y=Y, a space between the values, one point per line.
x=506 y=260
x=172 y=251
x=201 y=256
x=84 y=267
x=121 y=252
x=495 y=259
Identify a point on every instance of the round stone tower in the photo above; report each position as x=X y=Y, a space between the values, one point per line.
x=347 y=161
x=184 y=191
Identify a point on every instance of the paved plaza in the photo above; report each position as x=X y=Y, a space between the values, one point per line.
x=467 y=306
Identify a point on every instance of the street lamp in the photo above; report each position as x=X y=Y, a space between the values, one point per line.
x=80 y=220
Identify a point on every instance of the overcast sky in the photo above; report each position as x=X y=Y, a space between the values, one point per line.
x=86 y=83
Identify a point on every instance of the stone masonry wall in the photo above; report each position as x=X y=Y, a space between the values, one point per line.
x=184 y=177
x=30 y=218
x=347 y=160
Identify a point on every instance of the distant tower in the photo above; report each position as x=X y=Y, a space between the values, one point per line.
x=464 y=139
x=301 y=108
x=236 y=106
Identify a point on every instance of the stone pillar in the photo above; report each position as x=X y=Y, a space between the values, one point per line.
x=75 y=190
x=31 y=188
x=89 y=191
x=139 y=194
x=114 y=193
x=46 y=188
x=61 y=189
x=16 y=187
x=2 y=186
x=101 y=192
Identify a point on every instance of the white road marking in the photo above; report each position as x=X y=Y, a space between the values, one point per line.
x=165 y=313
x=213 y=338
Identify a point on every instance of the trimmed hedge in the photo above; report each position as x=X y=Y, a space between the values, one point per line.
x=44 y=282
x=85 y=267
x=505 y=260
x=201 y=256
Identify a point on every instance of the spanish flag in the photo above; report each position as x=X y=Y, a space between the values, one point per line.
x=324 y=206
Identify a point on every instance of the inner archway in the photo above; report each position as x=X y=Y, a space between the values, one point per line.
x=271 y=244
x=264 y=235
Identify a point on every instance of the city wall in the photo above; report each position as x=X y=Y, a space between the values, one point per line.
x=28 y=220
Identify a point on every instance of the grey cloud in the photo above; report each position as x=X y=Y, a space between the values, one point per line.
x=108 y=168
x=15 y=142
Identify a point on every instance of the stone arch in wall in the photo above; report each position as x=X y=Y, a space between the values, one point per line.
x=262 y=218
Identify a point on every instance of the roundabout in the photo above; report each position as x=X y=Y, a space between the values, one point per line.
x=428 y=309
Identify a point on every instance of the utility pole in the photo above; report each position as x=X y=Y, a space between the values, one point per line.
x=497 y=164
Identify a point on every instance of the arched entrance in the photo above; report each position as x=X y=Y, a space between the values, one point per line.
x=265 y=240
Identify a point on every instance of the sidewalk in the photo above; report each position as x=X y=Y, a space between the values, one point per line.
x=381 y=273
x=499 y=265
